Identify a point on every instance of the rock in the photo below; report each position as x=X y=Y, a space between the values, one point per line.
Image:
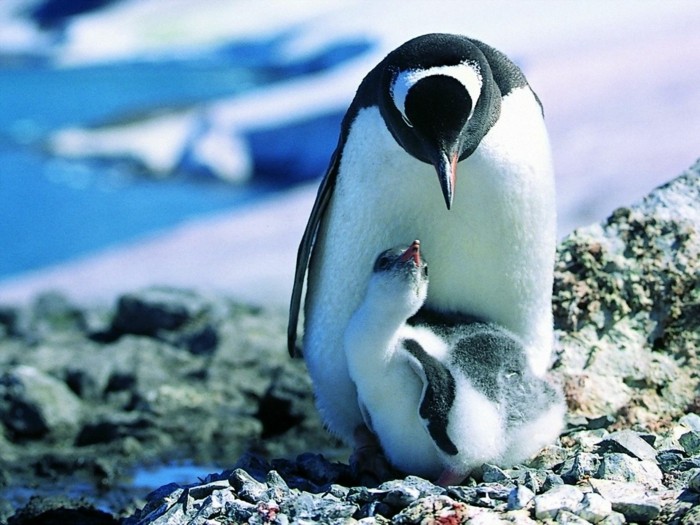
x=437 y=509
x=626 y=304
x=628 y=442
x=548 y=457
x=520 y=497
x=565 y=517
x=579 y=467
x=690 y=441
x=561 y=497
x=621 y=467
x=631 y=499
x=594 y=508
x=34 y=405
x=691 y=421
x=492 y=473
x=694 y=481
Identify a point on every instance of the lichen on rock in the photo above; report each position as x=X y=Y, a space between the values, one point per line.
x=627 y=309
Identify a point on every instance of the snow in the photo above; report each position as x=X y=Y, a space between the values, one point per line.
x=617 y=80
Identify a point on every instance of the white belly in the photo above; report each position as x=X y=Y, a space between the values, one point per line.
x=490 y=256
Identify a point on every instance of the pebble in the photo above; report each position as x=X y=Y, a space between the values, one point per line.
x=630 y=443
x=594 y=508
x=582 y=466
x=621 y=467
x=631 y=499
x=520 y=497
x=690 y=441
x=562 y=497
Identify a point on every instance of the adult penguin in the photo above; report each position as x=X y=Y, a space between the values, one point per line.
x=439 y=104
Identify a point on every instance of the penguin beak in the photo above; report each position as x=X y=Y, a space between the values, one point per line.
x=446 y=167
x=413 y=252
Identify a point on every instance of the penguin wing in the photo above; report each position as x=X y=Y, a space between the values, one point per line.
x=323 y=197
x=438 y=396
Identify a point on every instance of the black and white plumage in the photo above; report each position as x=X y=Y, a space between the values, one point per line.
x=442 y=398
x=452 y=106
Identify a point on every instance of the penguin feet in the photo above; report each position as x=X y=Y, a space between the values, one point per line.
x=367 y=461
x=451 y=477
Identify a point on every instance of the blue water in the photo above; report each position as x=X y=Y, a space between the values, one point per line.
x=52 y=210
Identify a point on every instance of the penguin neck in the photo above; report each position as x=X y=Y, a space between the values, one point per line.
x=374 y=328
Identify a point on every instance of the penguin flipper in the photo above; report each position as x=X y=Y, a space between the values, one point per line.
x=323 y=197
x=438 y=395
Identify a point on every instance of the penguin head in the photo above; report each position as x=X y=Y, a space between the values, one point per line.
x=438 y=101
x=400 y=279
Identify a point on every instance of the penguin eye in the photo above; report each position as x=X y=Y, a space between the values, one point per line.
x=425 y=270
x=382 y=263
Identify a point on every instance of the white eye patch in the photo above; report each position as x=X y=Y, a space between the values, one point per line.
x=467 y=73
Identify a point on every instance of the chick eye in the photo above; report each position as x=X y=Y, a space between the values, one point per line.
x=425 y=270
x=382 y=263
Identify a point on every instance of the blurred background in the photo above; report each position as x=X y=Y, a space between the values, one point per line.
x=181 y=142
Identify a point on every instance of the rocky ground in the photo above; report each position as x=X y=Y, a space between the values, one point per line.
x=171 y=375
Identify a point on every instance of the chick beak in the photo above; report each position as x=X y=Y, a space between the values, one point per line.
x=413 y=252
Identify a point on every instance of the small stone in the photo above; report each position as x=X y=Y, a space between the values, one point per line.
x=594 y=508
x=615 y=518
x=34 y=405
x=565 y=517
x=202 y=491
x=436 y=509
x=692 y=421
x=248 y=488
x=690 y=441
x=148 y=311
x=631 y=499
x=520 y=497
x=412 y=486
x=621 y=467
x=401 y=496
x=552 y=480
x=630 y=443
x=549 y=457
x=580 y=467
x=694 y=481
x=562 y=497
x=669 y=460
x=277 y=487
x=492 y=473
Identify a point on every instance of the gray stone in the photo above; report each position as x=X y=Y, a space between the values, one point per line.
x=631 y=499
x=34 y=405
x=579 y=467
x=621 y=467
x=628 y=442
x=690 y=441
x=493 y=473
x=594 y=508
x=691 y=420
x=615 y=518
x=562 y=497
x=694 y=480
x=311 y=508
x=520 y=497
x=625 y=305
x=248 y=488
x=491 y=495
x=565 y=517
x=548 y=457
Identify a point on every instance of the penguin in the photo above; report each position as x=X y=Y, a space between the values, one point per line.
x=443 y=398
x=438 y=104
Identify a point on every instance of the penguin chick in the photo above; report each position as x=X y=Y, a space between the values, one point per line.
x=443 y=396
